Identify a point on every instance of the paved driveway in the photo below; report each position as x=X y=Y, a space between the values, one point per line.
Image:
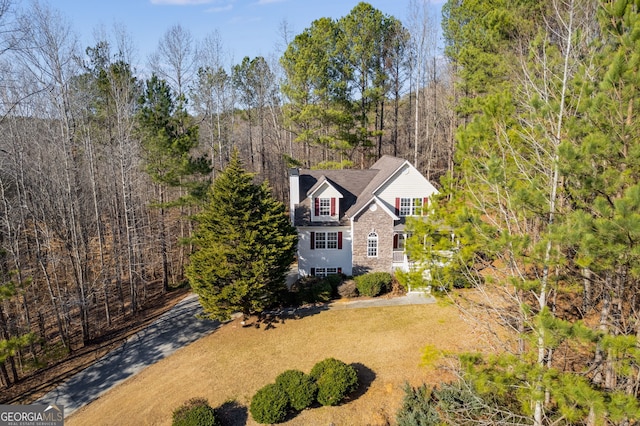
x=174 y=329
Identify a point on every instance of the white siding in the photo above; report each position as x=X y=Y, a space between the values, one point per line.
x=326 y=191
x=308 y=258
x=408 y=182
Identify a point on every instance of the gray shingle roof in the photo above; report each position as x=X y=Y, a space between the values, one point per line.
x=386 y=166
x=356 y=186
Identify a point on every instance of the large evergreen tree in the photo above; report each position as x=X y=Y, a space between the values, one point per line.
x=245 y=245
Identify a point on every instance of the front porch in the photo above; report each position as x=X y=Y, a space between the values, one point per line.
x=401 y=261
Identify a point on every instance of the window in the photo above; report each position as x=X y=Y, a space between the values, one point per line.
x=410 y=206
x=321 y=240
x=326 y=240
x=332 y=240
x=325 y=207
x=323 y=272
x=405 y=206
x=372 y=245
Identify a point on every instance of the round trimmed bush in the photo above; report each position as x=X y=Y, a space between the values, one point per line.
x=335 y=380
x=270 y=404
x=325 y=365
x=195 y=412
x=299 y=387
x=373 y=283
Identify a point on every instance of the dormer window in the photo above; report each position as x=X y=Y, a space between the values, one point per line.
x=325 y=207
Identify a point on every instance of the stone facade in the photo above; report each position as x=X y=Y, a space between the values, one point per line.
x=378 y=221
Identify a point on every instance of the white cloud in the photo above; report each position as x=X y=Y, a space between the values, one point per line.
x=220 y=9
x=263 y=2
x=181 y=2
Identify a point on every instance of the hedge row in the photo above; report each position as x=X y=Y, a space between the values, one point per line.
x=314 y=289
x=374 y=283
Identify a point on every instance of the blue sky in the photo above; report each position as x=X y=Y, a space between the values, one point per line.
x=247 y=27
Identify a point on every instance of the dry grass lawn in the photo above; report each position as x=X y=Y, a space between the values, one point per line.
x=235 y=361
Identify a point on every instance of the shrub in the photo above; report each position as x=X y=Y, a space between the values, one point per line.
x=312 y=290
x=348 y=289
x=325 y=365
x=322 y=291
x=418 y=408
x=334 y=280
x=456 y=403
x=397 y=288
x=195 y=412
x=373 y=283
x=335 y=380
x=299 y=387
x=270 y=404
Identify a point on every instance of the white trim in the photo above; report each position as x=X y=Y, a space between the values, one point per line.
x=379 y=202
x=392 y=176
x=372 y=237
x=395 y=173
x=320 y=186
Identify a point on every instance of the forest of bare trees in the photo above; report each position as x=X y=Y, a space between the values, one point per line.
x=102 y=165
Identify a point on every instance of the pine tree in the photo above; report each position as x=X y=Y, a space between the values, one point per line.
x=338 y=78
x=245 y=246
x=547 y=164
x=169 y=136
x=604 y=228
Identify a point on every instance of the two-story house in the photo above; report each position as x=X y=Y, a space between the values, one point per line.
x=353 y=221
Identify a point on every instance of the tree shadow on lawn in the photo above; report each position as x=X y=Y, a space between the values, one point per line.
x=270 y=319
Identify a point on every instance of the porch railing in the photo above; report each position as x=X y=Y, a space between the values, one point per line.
x=399 y=256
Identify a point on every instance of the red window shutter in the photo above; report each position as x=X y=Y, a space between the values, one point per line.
x=395 y=241
x=339 y=270
x=339 y=240
x=425 y=202
x=313 y=272
x=313 y=240
x=398 y=206
x=317 y=206
x=333 y=207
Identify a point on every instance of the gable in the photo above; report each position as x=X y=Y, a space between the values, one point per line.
x=345 y=185
x=373 y=205
x=388 y=179
x=324 y=189
x=396 y=178
x=407 y=181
